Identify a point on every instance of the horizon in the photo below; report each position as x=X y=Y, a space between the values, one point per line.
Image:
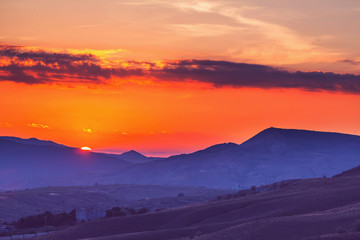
x=165 y=77
x=167 y=154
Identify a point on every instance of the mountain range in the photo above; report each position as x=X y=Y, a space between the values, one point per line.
x=270 y=156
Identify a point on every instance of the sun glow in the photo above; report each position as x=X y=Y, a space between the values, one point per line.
x=86 y=149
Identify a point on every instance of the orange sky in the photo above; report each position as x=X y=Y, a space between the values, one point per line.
x=162 y=119
x=88 y=102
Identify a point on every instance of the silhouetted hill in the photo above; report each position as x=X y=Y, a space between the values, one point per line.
x=272 y=155
x=35 y=163
x=33 y=141
x=135 y=157
x=274 y=138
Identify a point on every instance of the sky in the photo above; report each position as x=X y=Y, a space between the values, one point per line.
x=168 y=77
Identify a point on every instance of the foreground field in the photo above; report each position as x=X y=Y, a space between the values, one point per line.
x=298 y=209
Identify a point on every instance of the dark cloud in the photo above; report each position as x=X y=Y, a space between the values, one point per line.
x=43 y=56
x=17 y=74
x=50 y=67
x=221 y=73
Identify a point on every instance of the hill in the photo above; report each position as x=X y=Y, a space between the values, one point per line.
x=270 y=156
x=296 y=209
x=34 y=163
x=135 y=157
x=354 y=172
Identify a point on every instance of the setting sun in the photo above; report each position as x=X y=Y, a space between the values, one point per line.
x=86 y=149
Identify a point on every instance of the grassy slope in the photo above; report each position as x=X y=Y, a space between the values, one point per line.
x=298 y=211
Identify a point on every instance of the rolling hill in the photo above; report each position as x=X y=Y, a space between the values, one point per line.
x=304 y=209
x=272 y=155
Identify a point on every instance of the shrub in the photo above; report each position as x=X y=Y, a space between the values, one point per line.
x=46 y=219
x=121 y=211
x=116 y=212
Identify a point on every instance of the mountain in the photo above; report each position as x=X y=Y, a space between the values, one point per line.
x=33 y=141
x=270 y=156
x=28 y=163
x=134 y=157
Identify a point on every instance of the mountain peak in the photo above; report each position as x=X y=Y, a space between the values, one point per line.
x=276 y=138
x=132 y=153
x=275 y=130
x=133 y=156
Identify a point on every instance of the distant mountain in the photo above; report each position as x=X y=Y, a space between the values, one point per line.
x=272 y=155
x=134 y=157
x=35 y=163
x=33 y=141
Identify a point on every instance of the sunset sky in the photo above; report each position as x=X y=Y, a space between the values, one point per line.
x=166 y=77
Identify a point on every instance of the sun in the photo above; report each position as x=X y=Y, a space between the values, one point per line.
x=85 y=149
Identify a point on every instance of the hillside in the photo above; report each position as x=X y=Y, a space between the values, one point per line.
x=354 y=172
x=297 y=209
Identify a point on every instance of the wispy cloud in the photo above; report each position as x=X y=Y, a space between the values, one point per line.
x=283 y=35
x=201 y=30
x=43 y=67
x=350 y=61
x=38 y=125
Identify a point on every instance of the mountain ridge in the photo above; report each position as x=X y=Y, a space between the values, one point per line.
x=272 y=155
